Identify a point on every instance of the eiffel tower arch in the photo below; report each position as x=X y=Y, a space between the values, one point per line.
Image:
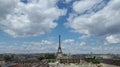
x=59 y=51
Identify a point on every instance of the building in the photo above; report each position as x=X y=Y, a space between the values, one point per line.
x=42 y=63
x=69 y=60
x=2 y=62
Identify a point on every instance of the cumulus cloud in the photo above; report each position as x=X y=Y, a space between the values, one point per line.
x=84 y=37
x=42 y=46
x=68 y=1
x=48 y=46
x=82 y=43
x=69 y=41
x=34 y=18
x=6 y=6
x=113 y=39
x=46 y=42
x=83 y=5
x=104 y=22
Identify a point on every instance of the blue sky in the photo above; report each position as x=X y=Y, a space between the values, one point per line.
x=33 y=26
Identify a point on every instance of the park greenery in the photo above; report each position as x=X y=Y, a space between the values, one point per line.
x=93 y=60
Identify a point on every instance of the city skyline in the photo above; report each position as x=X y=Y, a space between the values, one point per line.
x=85 y=26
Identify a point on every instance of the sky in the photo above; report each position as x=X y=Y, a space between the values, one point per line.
x=85 y=26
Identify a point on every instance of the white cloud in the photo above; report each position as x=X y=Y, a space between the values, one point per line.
x=69 y=41
x=104 y=22
x=113 y=39
x=84 y=37
x=32 y=19
x=82 y=43
x=46 y=42
x=83 y=5
x=47 y=46
x=68 y=1
x=6 y=6
x=42 y=46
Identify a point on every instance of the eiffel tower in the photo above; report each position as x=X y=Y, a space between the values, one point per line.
x=59 y=52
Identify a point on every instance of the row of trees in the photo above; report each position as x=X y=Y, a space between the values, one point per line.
x=94 y=60
x=48 y=56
